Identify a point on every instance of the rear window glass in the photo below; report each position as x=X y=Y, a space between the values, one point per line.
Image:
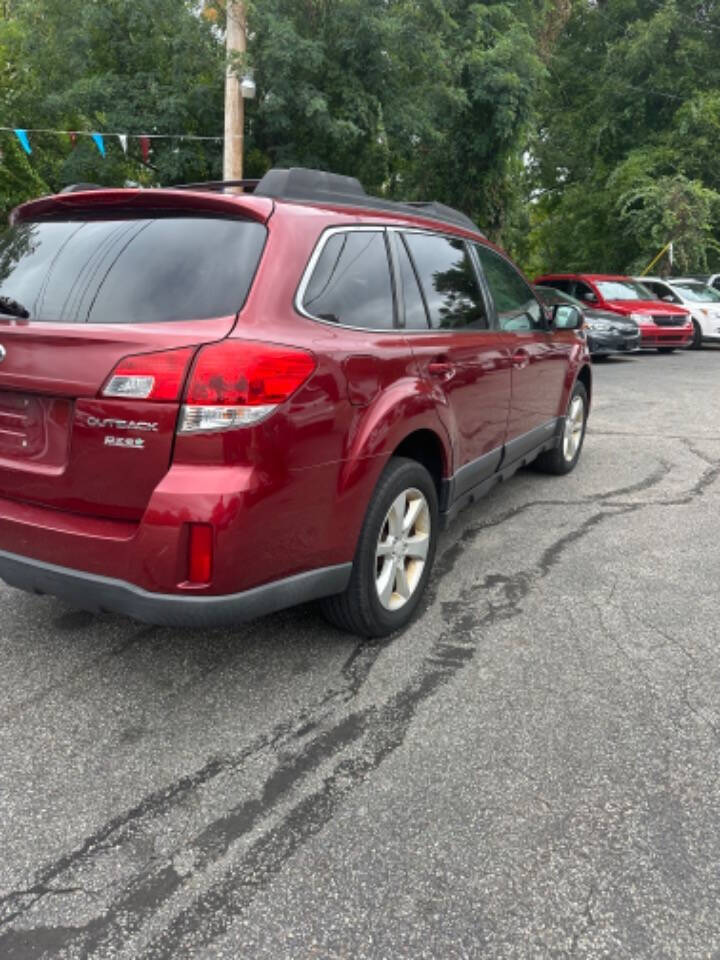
x=129 y=271
x=351 y=282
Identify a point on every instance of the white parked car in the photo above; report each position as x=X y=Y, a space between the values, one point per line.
x=702 y=300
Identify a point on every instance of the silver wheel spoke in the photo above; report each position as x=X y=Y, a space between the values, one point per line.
x=414 y=509
x=384 y=549
x=401 y=581
x=396 y=515
x=418 y=546
x=386 y=582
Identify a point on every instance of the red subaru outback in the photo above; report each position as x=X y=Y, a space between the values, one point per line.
x=216 y=405
x=661 y=324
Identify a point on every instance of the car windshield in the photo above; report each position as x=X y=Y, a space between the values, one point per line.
x=624 y=290
x=550 y=295
x=128 y=270
x=697 y=292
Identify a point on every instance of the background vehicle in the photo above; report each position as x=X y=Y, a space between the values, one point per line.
x=213 y=406
x=701 y=300
x=661 y=325
x=711 y=279
x=606 y=332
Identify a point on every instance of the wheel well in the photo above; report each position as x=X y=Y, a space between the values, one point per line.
x=425 y=447
x=585 y=378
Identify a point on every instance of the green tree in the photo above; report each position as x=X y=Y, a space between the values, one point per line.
x=625 y=156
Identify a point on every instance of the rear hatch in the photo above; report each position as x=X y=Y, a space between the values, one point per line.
x=83 y=286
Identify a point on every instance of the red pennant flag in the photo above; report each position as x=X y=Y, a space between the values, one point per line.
x=73 y=137
x=145 y=148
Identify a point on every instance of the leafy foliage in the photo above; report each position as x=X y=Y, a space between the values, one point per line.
x=581 y=134
x=625 y=158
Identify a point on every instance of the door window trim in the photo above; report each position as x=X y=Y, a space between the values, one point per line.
x=487 y=302
x=325 y=237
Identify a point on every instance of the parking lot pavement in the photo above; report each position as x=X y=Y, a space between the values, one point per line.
x=531 y=770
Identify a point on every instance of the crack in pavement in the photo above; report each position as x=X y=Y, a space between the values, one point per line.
x=375 y=733
x=378 y=731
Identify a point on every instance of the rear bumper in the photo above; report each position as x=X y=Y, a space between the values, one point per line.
x=106 y=595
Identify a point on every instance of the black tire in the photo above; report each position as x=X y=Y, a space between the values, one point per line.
x=696 y=342
x=666 y=349
x=358 y=610
x=555 y=460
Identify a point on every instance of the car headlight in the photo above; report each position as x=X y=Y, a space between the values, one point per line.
x=640 y=317
x=604 y=325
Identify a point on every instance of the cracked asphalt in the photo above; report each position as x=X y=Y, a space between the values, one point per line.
x=531 y=770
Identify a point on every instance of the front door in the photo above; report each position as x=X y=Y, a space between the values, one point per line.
x=539 y=360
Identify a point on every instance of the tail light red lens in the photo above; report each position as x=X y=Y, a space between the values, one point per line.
x=150 y=376
x=200 y=553
x=237 y=383
x=247 y=373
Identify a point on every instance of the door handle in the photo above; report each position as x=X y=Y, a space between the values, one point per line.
x=520 y=359
x=442 y=370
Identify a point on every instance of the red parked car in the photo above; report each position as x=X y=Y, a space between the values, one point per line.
x=661 y=324
x=216 y=405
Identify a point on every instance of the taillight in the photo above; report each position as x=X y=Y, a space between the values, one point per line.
x=150 y=376
x=237 y=383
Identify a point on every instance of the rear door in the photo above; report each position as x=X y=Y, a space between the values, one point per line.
x=448 y=325
x=539 y=359
x=77 y=296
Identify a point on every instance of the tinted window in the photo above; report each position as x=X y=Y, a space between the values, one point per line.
x=583 y=292
x=448 y=280
x=415 y=313
x=514 y=300
x=351 y=282
x=562 y=285
x=130 y=271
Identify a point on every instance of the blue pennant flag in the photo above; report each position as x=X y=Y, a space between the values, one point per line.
x=99 y=142
x=23 y=138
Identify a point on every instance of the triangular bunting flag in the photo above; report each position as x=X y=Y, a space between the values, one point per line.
x=23 y=138
x=122 y=137
x=145 y=148
x=99 y=142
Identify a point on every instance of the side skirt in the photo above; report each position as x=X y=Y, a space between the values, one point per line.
x=513 y=457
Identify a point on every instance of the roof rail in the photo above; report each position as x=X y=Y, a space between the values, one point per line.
x=219 y=185
x=318 y=186
x=78 y=187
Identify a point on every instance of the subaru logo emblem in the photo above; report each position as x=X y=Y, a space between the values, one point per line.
x=3 y=353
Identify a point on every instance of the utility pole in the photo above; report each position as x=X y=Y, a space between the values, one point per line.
x=236 y=43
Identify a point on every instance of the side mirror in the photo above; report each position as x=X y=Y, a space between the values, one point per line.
x=567 y=317
x=589 y=297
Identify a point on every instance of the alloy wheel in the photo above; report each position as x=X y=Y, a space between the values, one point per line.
x=402 y=549
x=574 y=425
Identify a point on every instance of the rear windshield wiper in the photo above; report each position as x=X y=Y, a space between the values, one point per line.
x=12 y=307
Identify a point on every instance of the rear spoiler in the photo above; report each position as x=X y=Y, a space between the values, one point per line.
x=93 y=199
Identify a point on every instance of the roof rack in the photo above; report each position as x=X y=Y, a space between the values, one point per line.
x=78 y=187
x=318 y=186
x=219 y=185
